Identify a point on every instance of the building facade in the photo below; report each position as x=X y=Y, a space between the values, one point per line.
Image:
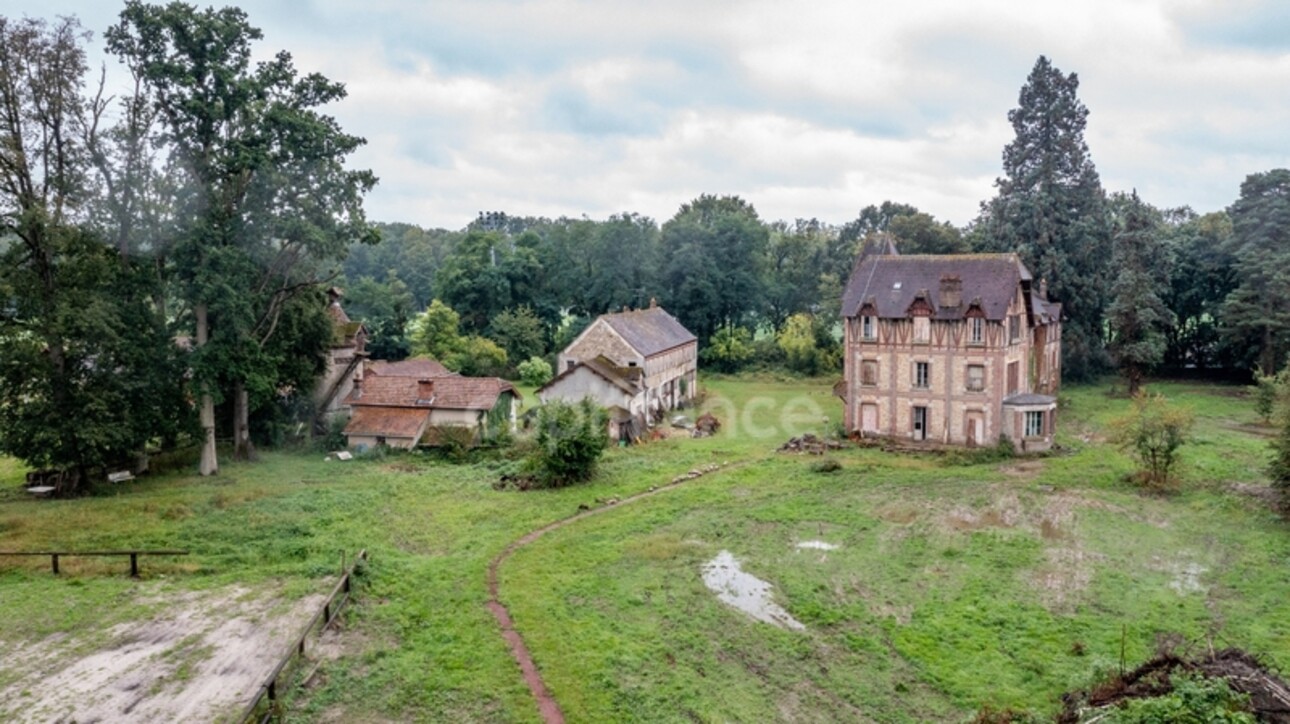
x=645 y=349
x=958 y=349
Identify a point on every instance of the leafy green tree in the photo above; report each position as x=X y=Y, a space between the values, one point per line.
x=385 y=308
x=1202 y=278
x=729 y=349
x=88 y=374
x=1266 y=389
x=436 y=333
x=807 y=345
x=1279 y=469
x=487 y=273
x=1051 y=210
x=535 y=372
x=796 y=256
x=570 y=440
x=1257 y=312
x=623 y=259
x=714 y=247
x=264 y=200
x=1152 y=432
x=1137 y=318
x=519 y=332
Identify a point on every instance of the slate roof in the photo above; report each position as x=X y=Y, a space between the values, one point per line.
x=649 y=331
x=451 y=392
x=891 y=283
x=406 y=422
x=420 y=367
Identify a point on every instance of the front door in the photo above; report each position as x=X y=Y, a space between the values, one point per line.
x=920 y=423
x=869 y=418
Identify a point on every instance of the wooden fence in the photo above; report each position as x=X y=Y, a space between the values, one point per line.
x=134 y=556
x=268 y=698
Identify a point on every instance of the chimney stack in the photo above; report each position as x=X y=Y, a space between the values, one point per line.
x=951 y=291
x=1043 y=288
x=425 y=391
x=653 y=303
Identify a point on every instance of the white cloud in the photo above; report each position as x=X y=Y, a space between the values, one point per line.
x=556 y=107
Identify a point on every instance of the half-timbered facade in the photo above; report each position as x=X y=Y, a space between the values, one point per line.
x=958 y=349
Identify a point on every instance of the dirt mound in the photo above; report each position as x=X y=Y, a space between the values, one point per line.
x=1269 y=693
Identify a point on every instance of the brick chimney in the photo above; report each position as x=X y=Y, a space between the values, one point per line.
x=425 y=391
x=1043 y=288
x=951 y=291
x=653 y=303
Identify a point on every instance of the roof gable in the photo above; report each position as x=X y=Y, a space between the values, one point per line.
x=648 y=331
x=891 y=283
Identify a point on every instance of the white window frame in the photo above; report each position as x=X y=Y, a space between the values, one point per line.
x=868 y=327
x=980 y=386
x=1034 y=423
x=977 y=326
x=922 y=375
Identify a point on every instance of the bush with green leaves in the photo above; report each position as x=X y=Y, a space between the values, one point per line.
x=1152 y=432
x=1194 y=699
x=1279 y=469
x=570 y=440
x=1265 y=390
x=535 y=372
x=729 y=349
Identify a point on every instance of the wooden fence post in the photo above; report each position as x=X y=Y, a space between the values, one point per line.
x=54 y=556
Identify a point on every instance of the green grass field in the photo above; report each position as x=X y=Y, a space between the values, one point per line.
x=953 y=586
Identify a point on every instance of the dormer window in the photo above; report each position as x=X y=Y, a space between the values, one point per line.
x=977 y=326
x=896 y=285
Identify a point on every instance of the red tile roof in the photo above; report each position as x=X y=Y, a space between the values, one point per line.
x=422 y=367
x=403 y=422
x=452 y=393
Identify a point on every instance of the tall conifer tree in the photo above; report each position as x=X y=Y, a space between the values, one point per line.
x=1051 y=210
x=1137 y=317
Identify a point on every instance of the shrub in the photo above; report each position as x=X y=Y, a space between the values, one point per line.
x=570 y=440
x=535 y=372
x=334 y=437
x=729 y=349
x=1264 y=390
x=1279 y=469
x=1194 y=699
x=1152 y=432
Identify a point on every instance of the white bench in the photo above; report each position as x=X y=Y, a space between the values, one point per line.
x=41 y=491
x=120 y=476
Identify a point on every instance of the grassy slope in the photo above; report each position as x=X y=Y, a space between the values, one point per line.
x=916 y=616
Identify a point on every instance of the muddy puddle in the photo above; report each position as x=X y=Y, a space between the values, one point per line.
x=748 y=593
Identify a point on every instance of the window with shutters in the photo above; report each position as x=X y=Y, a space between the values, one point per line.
x=922 y=329
x=922 y=375
x=869 y=372
x=1013 y=372
x=976 y=378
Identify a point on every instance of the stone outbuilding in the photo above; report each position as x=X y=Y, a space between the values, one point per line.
x=397 y=405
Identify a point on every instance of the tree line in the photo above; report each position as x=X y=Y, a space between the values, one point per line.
x=165 y=251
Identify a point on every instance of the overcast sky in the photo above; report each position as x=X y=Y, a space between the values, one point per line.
x=815 y=109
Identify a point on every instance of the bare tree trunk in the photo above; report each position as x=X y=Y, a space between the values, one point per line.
x=209 y=464
x=242 y=447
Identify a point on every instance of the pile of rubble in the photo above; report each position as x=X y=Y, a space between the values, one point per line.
x=810 y=444
x=1269 y=693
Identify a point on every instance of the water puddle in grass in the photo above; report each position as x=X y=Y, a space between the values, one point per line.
x=723 y=576
x=1187 y=578
x=818 y=545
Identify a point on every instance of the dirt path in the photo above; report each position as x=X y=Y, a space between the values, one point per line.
x=195 y=661
x=547 y=704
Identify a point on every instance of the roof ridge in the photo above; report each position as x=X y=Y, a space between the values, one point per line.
x=965 y=255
